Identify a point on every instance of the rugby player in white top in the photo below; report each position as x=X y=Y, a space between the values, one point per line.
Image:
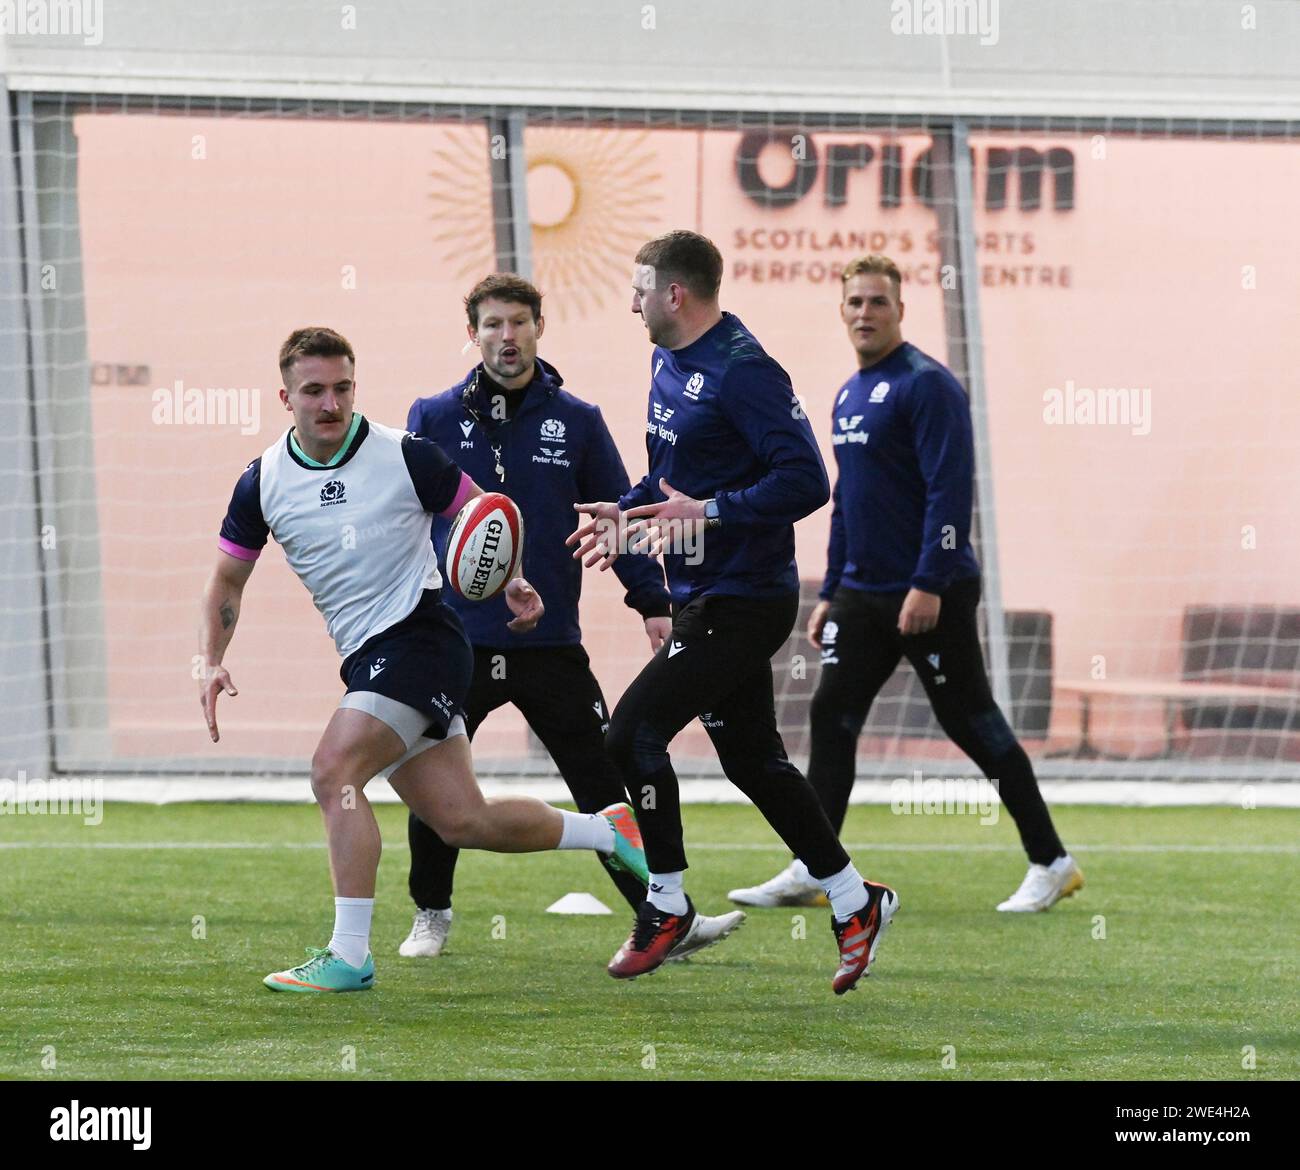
x=349 y=501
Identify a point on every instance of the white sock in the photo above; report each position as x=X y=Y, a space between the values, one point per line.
x=351 y=937
x=665 y=892
x=846 y=892
x=586 y=831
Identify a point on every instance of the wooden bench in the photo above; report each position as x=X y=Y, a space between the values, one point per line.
x=1172 y=693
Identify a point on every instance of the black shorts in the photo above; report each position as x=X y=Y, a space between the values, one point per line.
x=424 y=662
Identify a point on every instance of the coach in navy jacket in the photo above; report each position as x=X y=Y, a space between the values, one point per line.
x=511 y=427
x=554 y=452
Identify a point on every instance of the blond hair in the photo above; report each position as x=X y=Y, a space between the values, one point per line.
x=874 y=265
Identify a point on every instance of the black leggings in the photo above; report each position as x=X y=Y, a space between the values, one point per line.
x=717 y=666
x=861 y=648
x=560 y=698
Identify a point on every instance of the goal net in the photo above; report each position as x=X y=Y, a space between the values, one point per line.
x=1119 y=299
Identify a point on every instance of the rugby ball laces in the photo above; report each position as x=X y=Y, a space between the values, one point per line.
x=485 y=546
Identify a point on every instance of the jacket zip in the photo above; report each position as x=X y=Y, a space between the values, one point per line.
x=497 y=446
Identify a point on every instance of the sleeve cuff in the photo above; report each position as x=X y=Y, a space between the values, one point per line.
x=463 y=493
x=929 y=584
x=238 y=551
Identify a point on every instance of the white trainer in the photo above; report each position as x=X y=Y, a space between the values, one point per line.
x=428 y=935
x=704 y=932
x=793 y=886
x=1044 y=886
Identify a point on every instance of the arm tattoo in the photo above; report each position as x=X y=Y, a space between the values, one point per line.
x=227 y=616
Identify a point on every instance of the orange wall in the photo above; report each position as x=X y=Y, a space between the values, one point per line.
x=199 y=266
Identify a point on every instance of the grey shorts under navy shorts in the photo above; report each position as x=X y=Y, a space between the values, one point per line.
x=413 y=676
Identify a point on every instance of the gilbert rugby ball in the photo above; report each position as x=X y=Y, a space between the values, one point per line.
x=485 y=546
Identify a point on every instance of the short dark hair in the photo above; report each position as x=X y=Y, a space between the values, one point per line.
x=686 y=258
x=503 y=286
x=313 y=341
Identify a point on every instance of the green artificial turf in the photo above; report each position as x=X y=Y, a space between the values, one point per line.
x=105 y=979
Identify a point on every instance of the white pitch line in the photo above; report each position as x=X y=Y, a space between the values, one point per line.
x=705 y=846
x=177 y=789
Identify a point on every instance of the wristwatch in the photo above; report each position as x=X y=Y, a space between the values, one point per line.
x=711 y=517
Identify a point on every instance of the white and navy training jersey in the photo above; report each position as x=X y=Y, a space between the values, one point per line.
x=355 y=530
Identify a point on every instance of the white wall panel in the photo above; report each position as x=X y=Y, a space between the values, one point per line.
x=1190 y=58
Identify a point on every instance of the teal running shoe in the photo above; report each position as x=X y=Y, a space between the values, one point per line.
x=324 y=971
x=628 y=855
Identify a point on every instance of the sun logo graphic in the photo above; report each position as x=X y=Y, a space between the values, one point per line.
x=552 y=429
x=593 y=198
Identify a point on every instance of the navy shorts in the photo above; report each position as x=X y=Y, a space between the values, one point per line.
x=424 y=662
